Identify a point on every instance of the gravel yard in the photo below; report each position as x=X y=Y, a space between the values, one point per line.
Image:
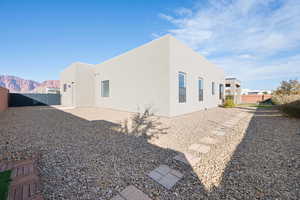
x=85 y=154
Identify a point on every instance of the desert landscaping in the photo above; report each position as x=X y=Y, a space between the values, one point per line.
x=150 y=100
x=238 y=153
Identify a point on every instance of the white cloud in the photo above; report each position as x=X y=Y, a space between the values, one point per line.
x=250 y=34
x=166 y=17
x=184 y=11
x=286 y=67
x=246 y=56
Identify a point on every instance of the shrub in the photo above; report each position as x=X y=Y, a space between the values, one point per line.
x=291 y=109
x=229 y=102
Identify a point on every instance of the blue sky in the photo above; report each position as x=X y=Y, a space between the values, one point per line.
x=255 y=41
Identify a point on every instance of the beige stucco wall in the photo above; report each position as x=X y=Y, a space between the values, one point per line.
x=145 y=77
x=138 y=79
x=184 y=59
x=79 y=78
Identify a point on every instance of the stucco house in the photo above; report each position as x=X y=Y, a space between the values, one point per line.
x=163 y=74
x=233 y=88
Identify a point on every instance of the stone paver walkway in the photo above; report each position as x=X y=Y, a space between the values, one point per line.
x=25 y=180
x=165 y=176
x=199 y=148
x=131 y=193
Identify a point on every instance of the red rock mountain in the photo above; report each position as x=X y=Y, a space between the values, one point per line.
x=19 y=85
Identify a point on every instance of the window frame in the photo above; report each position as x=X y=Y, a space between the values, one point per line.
x=221 y=91
x=182 y=97
x=65 y=87
x=200 y=89
x=213 y=88
x=103 y=94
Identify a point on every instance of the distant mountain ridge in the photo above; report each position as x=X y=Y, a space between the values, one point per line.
x=20 y=85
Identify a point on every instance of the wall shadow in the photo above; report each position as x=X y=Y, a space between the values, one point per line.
x=83 y=159
x=33 y=99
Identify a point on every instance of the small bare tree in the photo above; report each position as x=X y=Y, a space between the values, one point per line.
x=144 y=124
x=290 y=87
x=287 y=92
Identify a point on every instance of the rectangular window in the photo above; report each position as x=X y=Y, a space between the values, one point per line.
x=213 y=88
x=200 y=89
x=105 y=88
x=65 y=87
x=221 y=91
x=182 y=87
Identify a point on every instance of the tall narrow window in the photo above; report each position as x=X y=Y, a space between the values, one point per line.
x=200 y=89
x=105 y=88
x=213 y=88
x=221 y=91
x=182 y=87
x=65 y=87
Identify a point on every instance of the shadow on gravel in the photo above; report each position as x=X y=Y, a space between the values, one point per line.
x=83 y=159
x=265 y=165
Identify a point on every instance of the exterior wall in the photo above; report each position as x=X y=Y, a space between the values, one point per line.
x=85 y=85
x=3 y=99
x=68 y=76
x=255 y=98
x=79 y=78
x=184 y=59
x=145 y=77
x=137 y=79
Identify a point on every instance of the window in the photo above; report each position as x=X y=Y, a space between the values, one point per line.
x=65 y=87
x=182 y=87
x=105 y=88
x=221 y=91
x=213 y=88
x=227 y=85
x=200 y=89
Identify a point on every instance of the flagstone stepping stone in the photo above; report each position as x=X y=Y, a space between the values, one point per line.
x=219 y=132
x=208 y=140
x=187 y=158
x=199 y=148
x=165 y=176
x=228 y=125
x=131 y=193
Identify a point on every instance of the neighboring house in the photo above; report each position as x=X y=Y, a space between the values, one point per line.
x=233 y=88
x=47 y=90
x=260 y=92
x=163 y=74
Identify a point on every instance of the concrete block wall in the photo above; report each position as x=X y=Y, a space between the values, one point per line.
x=3 y=99
x=255 y=98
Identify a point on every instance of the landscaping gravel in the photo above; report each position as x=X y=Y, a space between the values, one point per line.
x=82 y=158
